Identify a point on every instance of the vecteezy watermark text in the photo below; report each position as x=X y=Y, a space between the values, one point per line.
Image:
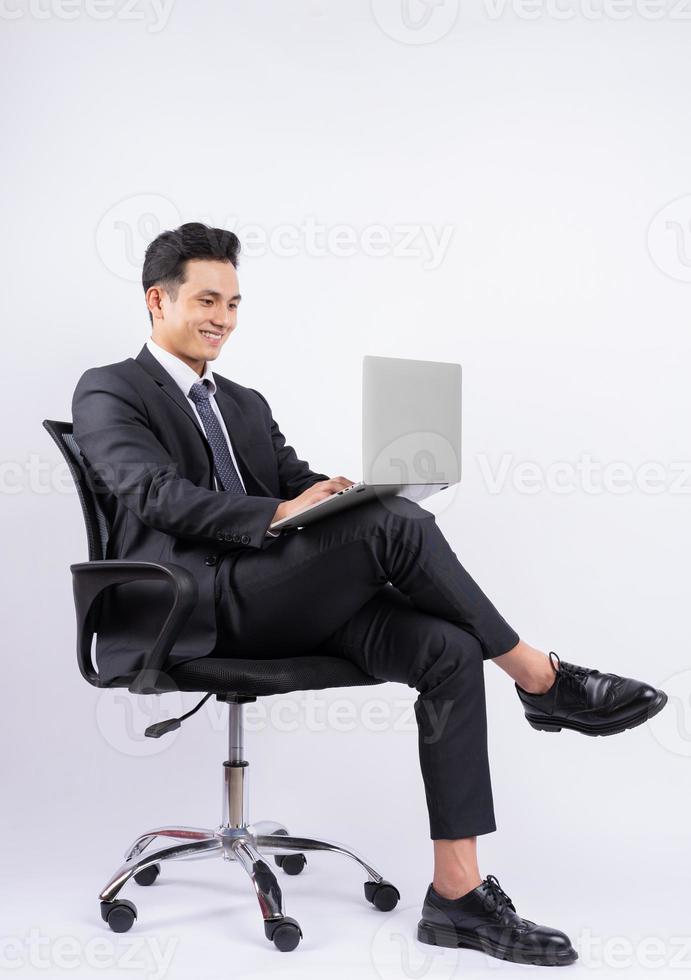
x=126 y=229
x=591 y=10
x=153 y=13
x=394 y=951
x=122 y=719
x=145 y=954
x=584 y=474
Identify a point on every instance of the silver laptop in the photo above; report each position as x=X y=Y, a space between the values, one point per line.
x=411 y=435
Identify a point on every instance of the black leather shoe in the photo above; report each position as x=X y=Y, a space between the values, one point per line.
x=485 y=919
x=590 y=702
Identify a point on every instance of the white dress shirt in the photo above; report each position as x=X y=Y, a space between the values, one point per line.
x=185 y=376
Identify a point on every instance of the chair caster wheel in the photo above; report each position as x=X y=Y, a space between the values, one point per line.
x=292 y=864
x=383 y=895
x=147 y=876
x=119 y=915
x=284 y=933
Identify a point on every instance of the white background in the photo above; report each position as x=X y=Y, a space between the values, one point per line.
x=555 y=151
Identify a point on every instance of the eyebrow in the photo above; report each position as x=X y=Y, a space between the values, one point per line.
x=214 y=292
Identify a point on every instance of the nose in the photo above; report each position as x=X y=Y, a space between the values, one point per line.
x=223 y=320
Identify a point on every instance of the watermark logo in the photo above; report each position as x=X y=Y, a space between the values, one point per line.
x=416 y=461
x=395 y=951
x=669 y=239
x=671 y=728
x=415 y=21
x=126 y=229
x=403 y=461
x=122 y=719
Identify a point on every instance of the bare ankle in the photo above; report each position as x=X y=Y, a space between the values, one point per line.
x=456 y=889
x=540 y=682
x=456 y=870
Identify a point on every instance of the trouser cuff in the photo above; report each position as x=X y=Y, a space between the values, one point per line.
x=471 y=826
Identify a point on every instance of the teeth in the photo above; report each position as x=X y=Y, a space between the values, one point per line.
x=207 y=333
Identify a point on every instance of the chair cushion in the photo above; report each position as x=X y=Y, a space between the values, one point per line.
x=224 y=675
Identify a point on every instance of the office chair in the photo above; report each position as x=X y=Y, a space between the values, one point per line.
x=233 y=681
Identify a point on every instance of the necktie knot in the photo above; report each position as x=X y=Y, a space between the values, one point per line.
x=199 y=392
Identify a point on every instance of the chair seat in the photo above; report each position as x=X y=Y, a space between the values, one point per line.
x=223 y=675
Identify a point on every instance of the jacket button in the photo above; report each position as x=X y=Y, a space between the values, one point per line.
x=227 y=537
x=220 y=535
x=245 y=539
x=236 y=538
x=210 y=560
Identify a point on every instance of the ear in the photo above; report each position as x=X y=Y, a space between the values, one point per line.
x=154 y=300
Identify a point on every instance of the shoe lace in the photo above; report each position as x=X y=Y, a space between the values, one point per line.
x=500 y=897
x=570 y=674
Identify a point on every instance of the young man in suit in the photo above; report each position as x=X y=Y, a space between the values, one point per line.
x=193 y=469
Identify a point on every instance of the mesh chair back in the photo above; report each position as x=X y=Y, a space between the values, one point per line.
x=95 y=518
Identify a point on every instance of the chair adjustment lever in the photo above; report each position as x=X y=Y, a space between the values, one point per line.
x=171 y=724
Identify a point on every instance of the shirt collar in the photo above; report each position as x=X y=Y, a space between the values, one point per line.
x=183 y=375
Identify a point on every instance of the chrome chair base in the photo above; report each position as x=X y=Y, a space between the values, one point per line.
x=234 y=840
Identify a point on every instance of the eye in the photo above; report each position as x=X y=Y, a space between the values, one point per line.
x=207 y=300
x=233 y=306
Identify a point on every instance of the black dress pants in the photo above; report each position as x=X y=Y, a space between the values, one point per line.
x=380 y=585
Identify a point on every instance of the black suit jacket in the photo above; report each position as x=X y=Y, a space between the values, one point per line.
x=150 y=460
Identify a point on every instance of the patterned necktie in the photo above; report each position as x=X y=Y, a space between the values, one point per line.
x=223 y=461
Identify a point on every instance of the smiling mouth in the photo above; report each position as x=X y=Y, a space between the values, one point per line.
x=210 y=335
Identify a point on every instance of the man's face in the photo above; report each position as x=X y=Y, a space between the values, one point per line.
x=196 y=324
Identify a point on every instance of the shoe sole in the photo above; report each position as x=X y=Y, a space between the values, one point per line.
x=437 y=935
x=621 y=726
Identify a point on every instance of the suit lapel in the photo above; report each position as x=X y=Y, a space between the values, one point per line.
x=228 y=407
x=168 y=384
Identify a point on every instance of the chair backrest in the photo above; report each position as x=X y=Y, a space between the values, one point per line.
x=95 y=517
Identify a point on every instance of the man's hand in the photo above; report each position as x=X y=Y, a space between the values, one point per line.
x=315 y=493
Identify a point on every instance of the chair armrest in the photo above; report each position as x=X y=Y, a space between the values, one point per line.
x=91 y=578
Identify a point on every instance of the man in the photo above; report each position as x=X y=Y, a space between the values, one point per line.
x=194 y=469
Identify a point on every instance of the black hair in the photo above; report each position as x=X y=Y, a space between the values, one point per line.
x=167 y=255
